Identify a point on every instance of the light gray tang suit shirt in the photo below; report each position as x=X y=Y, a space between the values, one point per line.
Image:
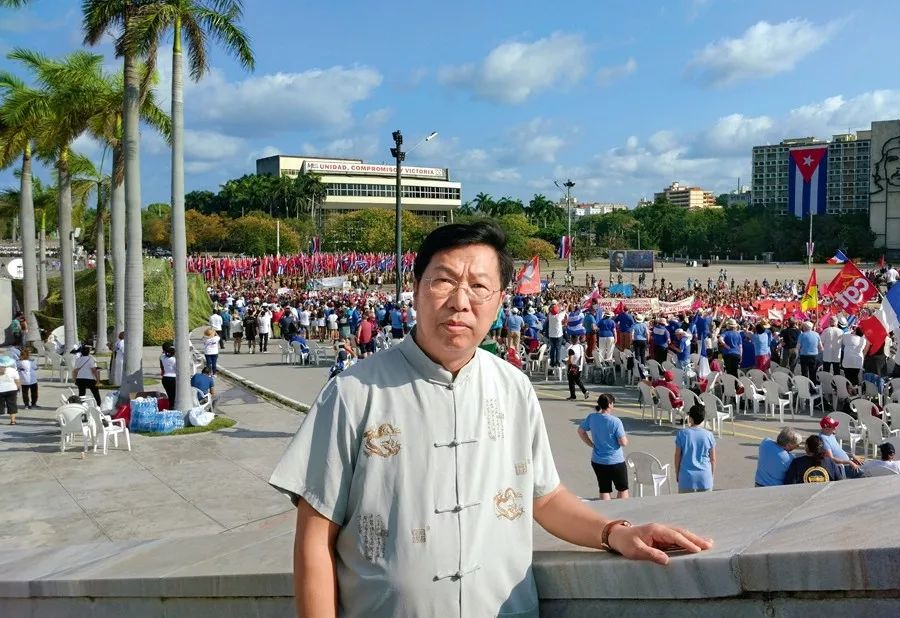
x=431 y=479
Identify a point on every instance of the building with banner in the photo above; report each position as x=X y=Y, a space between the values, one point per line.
x=884 y=187
x=352 y=184
x=847 y=182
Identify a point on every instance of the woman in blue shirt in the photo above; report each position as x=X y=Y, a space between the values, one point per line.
x=695 y=454
x=762 y=346
x=607 y=437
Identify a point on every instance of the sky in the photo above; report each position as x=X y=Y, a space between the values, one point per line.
x=621 y=97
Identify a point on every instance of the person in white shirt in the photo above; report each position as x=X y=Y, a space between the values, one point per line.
x=574 y=367
x=211 y=348
x=303 y=319
x=885 y=465
x=28 y=378
x=264 y=319
x=167 y=371
x=9 y=387
x=215 y=322
x=86 y=373
x=556 y=320
x=854 y=346
x=831 y=346
x=891 y=276
x=237 y=332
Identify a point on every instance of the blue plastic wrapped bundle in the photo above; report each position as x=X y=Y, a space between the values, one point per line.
x=144 y=411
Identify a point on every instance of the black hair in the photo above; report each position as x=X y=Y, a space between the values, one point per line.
x=604 y=401
x=462 y=235
x=815 y=447
x=859 y=332
x=760 y=329
x=697 y=414
x=85 y=350
x=206 y=370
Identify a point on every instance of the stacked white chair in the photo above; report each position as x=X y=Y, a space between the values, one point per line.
x=648 y=470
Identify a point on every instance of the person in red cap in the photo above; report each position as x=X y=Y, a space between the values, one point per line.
x=834 y=451
x=668 y=381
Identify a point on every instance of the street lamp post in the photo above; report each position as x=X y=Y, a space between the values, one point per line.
x=568 y=185
x=400 y=156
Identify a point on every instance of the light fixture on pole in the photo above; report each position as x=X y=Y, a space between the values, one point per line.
x=400 y=156
x=568 y=184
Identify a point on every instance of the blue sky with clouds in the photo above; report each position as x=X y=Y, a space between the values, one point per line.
x=622 y=97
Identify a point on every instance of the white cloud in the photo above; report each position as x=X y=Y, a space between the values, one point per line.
x=88 y=146
x=270 y=104
x=211 y=146
x=608 y=75
x=515 y=71
x=736 y=134
x=532 y=142
x=763 y=50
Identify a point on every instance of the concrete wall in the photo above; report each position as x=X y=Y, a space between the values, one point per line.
x=884 y=187
x=782 y=551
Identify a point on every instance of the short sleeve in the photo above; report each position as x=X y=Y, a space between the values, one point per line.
x=620 y=429
x=585 y=424
x=679 y=440
x=546 y=478
x=318 y=464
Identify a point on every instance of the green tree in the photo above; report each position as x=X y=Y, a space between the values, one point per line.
x=518 y=231
x=206 y=202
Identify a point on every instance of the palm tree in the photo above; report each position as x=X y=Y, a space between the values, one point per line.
x=15 y=140
x=200 y=20
x=101 y=16
x=70 y=91
x=107 y=127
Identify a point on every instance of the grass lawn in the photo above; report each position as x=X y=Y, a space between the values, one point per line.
x=220 y=422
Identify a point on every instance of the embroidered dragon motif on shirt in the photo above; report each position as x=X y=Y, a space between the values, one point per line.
x=382 y=440
x=508 y=505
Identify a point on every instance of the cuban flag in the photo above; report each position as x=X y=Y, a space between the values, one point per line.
x=565 y=248
x=839 y=258
x=315 y=244
x=807 y=176
x=884 y=321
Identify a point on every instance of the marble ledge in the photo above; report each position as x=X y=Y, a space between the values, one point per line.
x=833 y=540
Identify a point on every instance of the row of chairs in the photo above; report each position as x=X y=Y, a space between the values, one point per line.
x=658 y=401
x=97 y=429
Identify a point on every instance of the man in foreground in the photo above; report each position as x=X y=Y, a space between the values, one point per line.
x=417 y=476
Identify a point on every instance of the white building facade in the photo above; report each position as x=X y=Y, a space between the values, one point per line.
x=352 y=184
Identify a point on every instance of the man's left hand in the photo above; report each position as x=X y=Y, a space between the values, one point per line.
x=651 y=541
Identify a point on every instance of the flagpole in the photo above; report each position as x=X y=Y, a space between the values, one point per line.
x=809 y=246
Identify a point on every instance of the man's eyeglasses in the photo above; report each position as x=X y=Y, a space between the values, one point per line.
x=443 y=287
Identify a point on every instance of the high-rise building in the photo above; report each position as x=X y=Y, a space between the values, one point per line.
x=848 y=172
x=686 y=197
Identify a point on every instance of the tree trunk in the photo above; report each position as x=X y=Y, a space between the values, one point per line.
x=133 y=379
x=183 y=363
x=117 y=245
x=101 y=342
x=66 y=259
x=43 y=291
x=26 y=220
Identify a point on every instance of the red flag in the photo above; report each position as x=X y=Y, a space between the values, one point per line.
x=875 y=332
x=528 y=281
x=620 y=308
x=851 y=289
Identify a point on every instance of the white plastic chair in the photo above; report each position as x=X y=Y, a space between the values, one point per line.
x=848 y=429
x=648 y=471
x=877 y=431
x=825 y=384
x=557 y=372
x=103 y=427
x=664 y=403
x=785 y=382
x=537 y=364
x=654 y=369
x=758 y=376
x=842 y=390
x=71 y=424
x=809 y=392
x=752 y=395
x=779 y=369
x=690 y=398
x=892 y=412
x=730 y=389
x=647 y=397
x=58 y=365
x=286 y=353
x=717 y=412
x=774 y=400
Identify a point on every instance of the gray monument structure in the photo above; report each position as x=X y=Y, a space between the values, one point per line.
x=884 y=186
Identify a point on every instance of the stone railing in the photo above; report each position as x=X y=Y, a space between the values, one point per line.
x=778 y=551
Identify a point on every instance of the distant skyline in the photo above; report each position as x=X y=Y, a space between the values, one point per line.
x=623 y=98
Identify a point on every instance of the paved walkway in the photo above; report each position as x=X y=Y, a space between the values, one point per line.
x=165 y=487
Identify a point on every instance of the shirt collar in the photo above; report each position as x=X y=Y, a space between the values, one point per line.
x=429 y=369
